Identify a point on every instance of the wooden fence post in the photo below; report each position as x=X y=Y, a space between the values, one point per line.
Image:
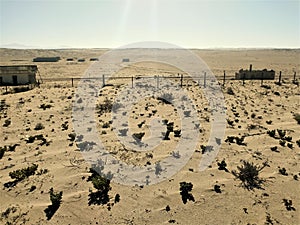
x=294 y=80
x=103 y=80
x=157 y=81
x=204 y=83
x=72 y=82
x=279 y=81
x=132 y=81
x=224 y=78
x=181 y=80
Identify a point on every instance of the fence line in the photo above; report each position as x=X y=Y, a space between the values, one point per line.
x=202 y=81
x=182 y=78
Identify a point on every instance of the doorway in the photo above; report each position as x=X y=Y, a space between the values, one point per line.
x=15 y=80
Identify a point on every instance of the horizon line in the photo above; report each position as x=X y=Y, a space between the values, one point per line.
x=191 y=48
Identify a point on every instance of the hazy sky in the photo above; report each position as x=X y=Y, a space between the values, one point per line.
x=187 y=23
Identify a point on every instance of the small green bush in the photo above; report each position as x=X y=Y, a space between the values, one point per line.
x=288 y=138
x=64 y=126
x=235 y=139
x=248 y=173
x=217 y=188
x=30 y=139
x=240 y=140
x=222 y=165
x=45 y=106
x=281 y=133
x=102 y=185
x=32 y=188
x=185 y=189
x=269 y=122
x=39 y=126
x=55 y=198
x=295 y=177
x=22 y=174
x=117 y=198
x=289 y=205
x=283 y=172
x=290 y=145
x=7 y=122
x=168 y=208
x=230 y=122
x=274 y=149
x=72 y=136
x=230 y=91
x=271 y=133
x=282 y=142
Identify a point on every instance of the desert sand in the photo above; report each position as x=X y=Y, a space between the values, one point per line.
x=252 y=112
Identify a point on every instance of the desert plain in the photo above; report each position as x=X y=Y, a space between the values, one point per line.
x=36 y=128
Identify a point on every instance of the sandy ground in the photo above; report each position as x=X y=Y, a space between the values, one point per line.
x=252 y=110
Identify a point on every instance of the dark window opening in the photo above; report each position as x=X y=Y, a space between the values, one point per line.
x=15 y=80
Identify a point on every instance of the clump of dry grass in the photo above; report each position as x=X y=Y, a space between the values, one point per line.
x=248 y=174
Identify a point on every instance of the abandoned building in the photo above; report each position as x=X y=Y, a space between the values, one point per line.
x=46 y=59
x=255 y=74
x=18 y=75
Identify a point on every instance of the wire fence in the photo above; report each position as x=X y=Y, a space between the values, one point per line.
x=202 y=80
x=179 y=78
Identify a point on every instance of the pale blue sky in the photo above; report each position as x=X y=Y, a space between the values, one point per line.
x=187 y=23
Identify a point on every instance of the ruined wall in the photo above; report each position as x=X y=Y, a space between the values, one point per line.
x=46 y=59
x=18 y=75
x=255 y=74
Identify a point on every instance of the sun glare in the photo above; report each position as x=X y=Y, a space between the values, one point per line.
x=130 y=18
